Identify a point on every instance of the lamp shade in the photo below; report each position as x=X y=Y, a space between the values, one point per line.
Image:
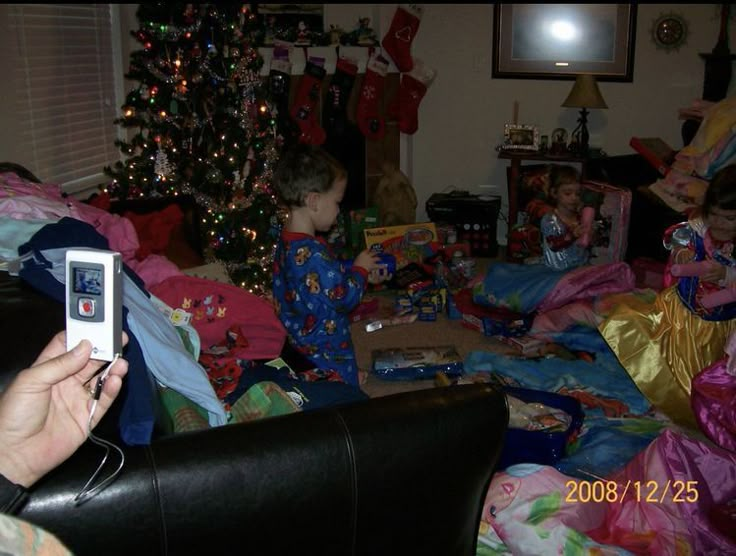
x=585 y=94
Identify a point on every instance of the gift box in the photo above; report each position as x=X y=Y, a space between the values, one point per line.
x=412 y=243
x=611 y=222
x=358 y=221
x=414 y=363
x=541 y=447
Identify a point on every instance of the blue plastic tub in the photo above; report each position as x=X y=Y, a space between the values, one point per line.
x=544 y=448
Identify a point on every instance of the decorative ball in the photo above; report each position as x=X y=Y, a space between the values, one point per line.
x=214 y=175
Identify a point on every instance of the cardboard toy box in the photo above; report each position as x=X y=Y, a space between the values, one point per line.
x=358 y=220
x=612 y=218
x=410 y=243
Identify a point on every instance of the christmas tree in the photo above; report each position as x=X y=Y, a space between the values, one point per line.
x=200 y=123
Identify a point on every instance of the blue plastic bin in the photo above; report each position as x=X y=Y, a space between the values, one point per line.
x=544 y=448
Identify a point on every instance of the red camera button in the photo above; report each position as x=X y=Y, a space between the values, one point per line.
x=86 y=307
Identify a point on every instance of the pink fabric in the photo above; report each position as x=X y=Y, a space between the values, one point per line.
x=588 y=282
x=12 y=185
x=552 y=322
x=23 y=200
x=530 y=511
x=713 y=401
x=154 y=269
x=662 y=524
x=216 y=306
x=23 y=207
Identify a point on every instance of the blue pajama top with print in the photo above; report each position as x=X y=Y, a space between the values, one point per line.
x=314 y=295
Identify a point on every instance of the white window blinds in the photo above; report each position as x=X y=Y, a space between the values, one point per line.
x=63 y=79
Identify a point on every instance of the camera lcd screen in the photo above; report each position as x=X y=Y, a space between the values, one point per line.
x=88 y=280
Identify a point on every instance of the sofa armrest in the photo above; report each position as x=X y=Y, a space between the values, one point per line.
x=401 y=474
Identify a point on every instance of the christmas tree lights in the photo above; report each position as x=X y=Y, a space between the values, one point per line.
x=200 y=123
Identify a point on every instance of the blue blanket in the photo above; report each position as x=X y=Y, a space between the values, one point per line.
x=607 y=441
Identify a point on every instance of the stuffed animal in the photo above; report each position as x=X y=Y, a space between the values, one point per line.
x=395 y=197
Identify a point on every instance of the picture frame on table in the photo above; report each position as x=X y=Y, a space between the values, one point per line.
x=561 y=41
x=520 y=137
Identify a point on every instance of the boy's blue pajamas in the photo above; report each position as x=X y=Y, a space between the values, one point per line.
x=314 y=295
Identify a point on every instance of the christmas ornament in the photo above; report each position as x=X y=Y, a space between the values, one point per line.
x=214 y=175
x=162 y=168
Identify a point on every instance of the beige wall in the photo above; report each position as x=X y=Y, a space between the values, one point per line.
x=462 y=116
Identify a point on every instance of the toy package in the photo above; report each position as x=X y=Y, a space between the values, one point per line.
x=358 y=221
x=412 y=243
x=414 y=363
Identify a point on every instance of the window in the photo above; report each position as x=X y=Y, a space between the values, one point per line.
x=65 y=63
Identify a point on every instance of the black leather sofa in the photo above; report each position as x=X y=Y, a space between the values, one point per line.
x=404 y=474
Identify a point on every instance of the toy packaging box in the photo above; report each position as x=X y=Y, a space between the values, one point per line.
x=358 y=220
x=612 y=222
x=410 y=243
x=417 y=362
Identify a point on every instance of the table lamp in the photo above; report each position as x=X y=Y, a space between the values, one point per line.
x=584 y=94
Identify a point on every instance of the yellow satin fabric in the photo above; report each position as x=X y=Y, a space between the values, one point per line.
x=662 y=345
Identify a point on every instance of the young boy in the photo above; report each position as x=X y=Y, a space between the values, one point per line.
x=312 y=291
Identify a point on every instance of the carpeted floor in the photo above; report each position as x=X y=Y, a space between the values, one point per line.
x=441 y=332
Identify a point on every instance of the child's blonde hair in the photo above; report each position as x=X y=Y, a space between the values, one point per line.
x=305 y=169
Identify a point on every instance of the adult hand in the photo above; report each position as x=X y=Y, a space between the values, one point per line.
x=45 y=410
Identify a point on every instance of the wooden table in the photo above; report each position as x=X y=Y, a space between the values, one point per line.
x=516 y=158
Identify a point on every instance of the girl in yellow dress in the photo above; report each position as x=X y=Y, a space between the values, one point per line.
x=663 y=345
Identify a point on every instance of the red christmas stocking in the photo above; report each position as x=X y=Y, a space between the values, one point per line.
x=405 y=106
x=370 y=121
x=303 y=111
x=400 y=35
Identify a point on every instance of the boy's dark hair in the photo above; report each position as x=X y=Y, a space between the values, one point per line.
x=721 y=192
x=304 y=169
x=560 y=175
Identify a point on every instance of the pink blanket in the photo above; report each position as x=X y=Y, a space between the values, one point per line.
x=664 y=502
